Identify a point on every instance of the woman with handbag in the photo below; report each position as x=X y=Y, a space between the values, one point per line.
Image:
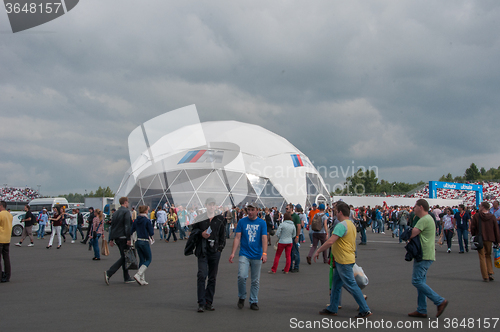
x=145 y=231
x=97 y=232
x=172 y=222
x=448 y=222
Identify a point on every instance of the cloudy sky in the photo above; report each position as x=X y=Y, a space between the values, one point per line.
x=411 y=87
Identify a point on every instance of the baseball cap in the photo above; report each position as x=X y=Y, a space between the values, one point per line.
x=210 y=200
x=315 y=204
x=321 y=206
x=253 y=204
x=298 y=206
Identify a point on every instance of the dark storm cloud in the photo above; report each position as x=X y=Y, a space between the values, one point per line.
x=409 y=87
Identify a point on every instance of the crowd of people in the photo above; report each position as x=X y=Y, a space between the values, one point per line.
x=11 y=194
x=332 y=231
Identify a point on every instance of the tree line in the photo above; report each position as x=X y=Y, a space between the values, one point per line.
x=474 y=174
x=80 y=198
x=366 y=182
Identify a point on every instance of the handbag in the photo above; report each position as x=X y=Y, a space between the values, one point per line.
x=131 y=259
x=104 y=247
x=476 y=241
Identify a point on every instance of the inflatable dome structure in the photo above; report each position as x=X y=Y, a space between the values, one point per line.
x=178 y=160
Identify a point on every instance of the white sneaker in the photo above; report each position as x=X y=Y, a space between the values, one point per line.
x=73 y=241
x=31 y=245
x=383 y=232
x=311 y=246
x=18 y=244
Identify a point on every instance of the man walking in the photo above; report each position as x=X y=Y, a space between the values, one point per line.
x=5 y=234
x=495 y=210
x=213 y=238
x=29 y=221
x=318 y=225
x=490 y=233
x=425 y=228
x=296 y=243
x=403 y=221
x=43 y=219
x=181 y=222
x=161 y=219
x=119 y=233
x=80 y=222
x=90 y=220
x=343 y=244
x=251 y=233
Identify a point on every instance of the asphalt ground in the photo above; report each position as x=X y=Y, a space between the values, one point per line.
x=64 y=290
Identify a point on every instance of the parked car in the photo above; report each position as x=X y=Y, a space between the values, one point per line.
x=18 y=226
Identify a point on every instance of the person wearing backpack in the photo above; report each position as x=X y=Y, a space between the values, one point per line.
x=403 y=221
x=319 y=228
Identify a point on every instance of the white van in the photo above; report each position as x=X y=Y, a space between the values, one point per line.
x=38 y=204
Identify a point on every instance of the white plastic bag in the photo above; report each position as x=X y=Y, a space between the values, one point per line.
x=360 y=276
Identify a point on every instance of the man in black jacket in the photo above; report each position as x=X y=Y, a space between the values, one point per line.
x=119 y=233
x=213 y=228
x=79 y=219
x=90 y=220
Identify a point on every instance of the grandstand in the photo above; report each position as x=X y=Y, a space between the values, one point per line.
x=491 y=192
x=11 y=194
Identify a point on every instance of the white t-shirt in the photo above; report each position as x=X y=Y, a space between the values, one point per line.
x=161 y=217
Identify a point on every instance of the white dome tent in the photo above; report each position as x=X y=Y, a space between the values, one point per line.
x=177 y=159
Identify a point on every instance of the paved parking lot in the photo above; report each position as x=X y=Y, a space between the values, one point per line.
x=64 y=290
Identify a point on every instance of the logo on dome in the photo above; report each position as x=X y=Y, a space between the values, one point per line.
x=202 y=156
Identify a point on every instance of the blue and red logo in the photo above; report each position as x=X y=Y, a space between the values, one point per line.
x=297 y=160
x=202 y=156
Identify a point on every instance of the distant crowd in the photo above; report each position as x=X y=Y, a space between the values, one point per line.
x=10 y=194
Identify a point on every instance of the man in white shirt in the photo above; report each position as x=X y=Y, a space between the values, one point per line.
x=161 y=218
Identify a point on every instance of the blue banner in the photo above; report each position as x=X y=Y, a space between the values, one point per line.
x=434 y=185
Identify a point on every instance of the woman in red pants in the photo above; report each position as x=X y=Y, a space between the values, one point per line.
x=286 y=233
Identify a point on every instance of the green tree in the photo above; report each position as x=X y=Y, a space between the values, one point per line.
x=101 y=192
x=472 y=173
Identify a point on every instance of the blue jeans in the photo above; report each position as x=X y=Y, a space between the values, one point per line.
x=380 y=225
x=402 y=229
x=363 y=235
x=171 y=232
x=463 y=236
x=72 y=231
x=255 y=265
x=418 y=279
x=295 y=256
x=182 y=232
x=344 y=276
x=95 y=244
x=228 y=230
x=160 y=228
x=41 y=230
x=144 y=252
